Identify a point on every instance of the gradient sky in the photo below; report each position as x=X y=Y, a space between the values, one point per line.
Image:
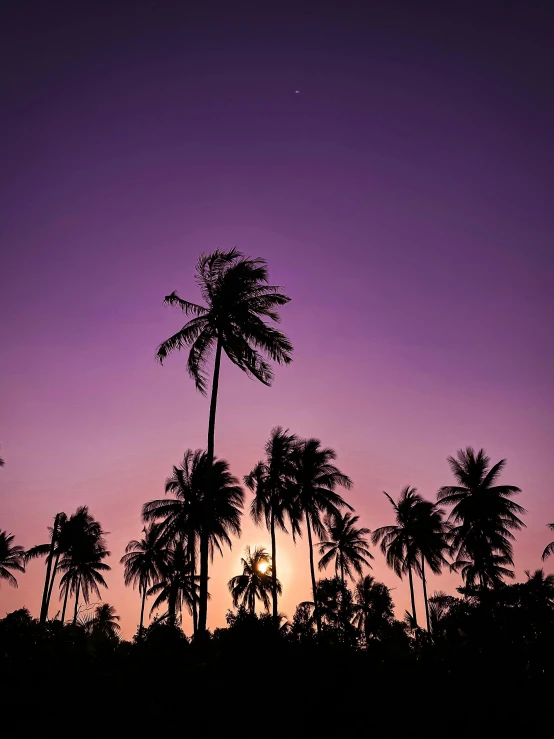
x=403 y=198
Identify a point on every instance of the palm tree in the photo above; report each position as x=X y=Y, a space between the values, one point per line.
x=239 y=301
x=255 y=581
x=103 y=622
x=176 y=585
x=397 y=542
x=484 y=515
x=12 y=557
x=2 y=463
x=144 y=561
x=316 y=478
x=549 y=547
x=184 y=517
x=275 y=503
x=82 y=559
x=431 y=538
x=346 y=544
x=52 y=551
x=373 y=607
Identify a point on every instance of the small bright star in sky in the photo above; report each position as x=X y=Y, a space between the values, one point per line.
x=297 y=92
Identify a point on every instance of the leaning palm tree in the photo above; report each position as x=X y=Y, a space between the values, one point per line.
x=549 y=547
x=239 y=301
x=397 y=541
x=185 y=516
x=176 y=585
x=316 y=478
x=373 y=607
x=144 y=561
x=255 y=583
x=59 y=538
x=345 y=544
x=484 y=515
x=275 y=502
x=12 y=557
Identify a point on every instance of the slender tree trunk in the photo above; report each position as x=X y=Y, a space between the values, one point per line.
x=44 y=604
x=142 y=610
x=54 y=573
x=414 y=615
x=65 y=603
x=312 y=573
x=342 y=604
x=76 y=611
x=205 y=534
x=274 y=570
x=424 y=581
x=194 y=599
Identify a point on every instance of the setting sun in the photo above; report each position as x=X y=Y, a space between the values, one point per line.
x=262 y=567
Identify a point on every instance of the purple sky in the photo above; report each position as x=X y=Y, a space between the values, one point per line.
x=403 y=198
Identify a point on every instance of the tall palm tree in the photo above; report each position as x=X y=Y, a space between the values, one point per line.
x=397 y=541
x=255 y=583
x=144 y=562
x=431 y=536
x=373 y=607
x=238 y=302
x=176 y=585
x=82 y=559
x=484 y=516
x=316 y=478
x=12 y=557
x=52 y=551
x=549 y=547
x=275 y=502
x=185 y=516
x=345 y=544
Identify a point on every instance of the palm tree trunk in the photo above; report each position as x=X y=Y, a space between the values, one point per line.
x=44 y=604
x=205 y=534
x=312 y=572
x=76 y=611
x=52 y=582
x=424 y=581
x=194 y=600
x=342 y=604
x=414 y=616
x=274 y=569
x=65 y=603
x=142 y=610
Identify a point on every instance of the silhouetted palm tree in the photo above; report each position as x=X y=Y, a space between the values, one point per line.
x=184 y=517
x=431 y=539
x=103 y=622
x=238 y=303
x=484 y=516
x=58 y=538
x=275 y=502
x=316 y=478
x=144 y=561
x=176 y=586
x=397 y=542
x=549 y=547
x=84 y=548
x=2 y=463
x=373 y=607
x=12 y=557
x=255 y=581
x=346 y=544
